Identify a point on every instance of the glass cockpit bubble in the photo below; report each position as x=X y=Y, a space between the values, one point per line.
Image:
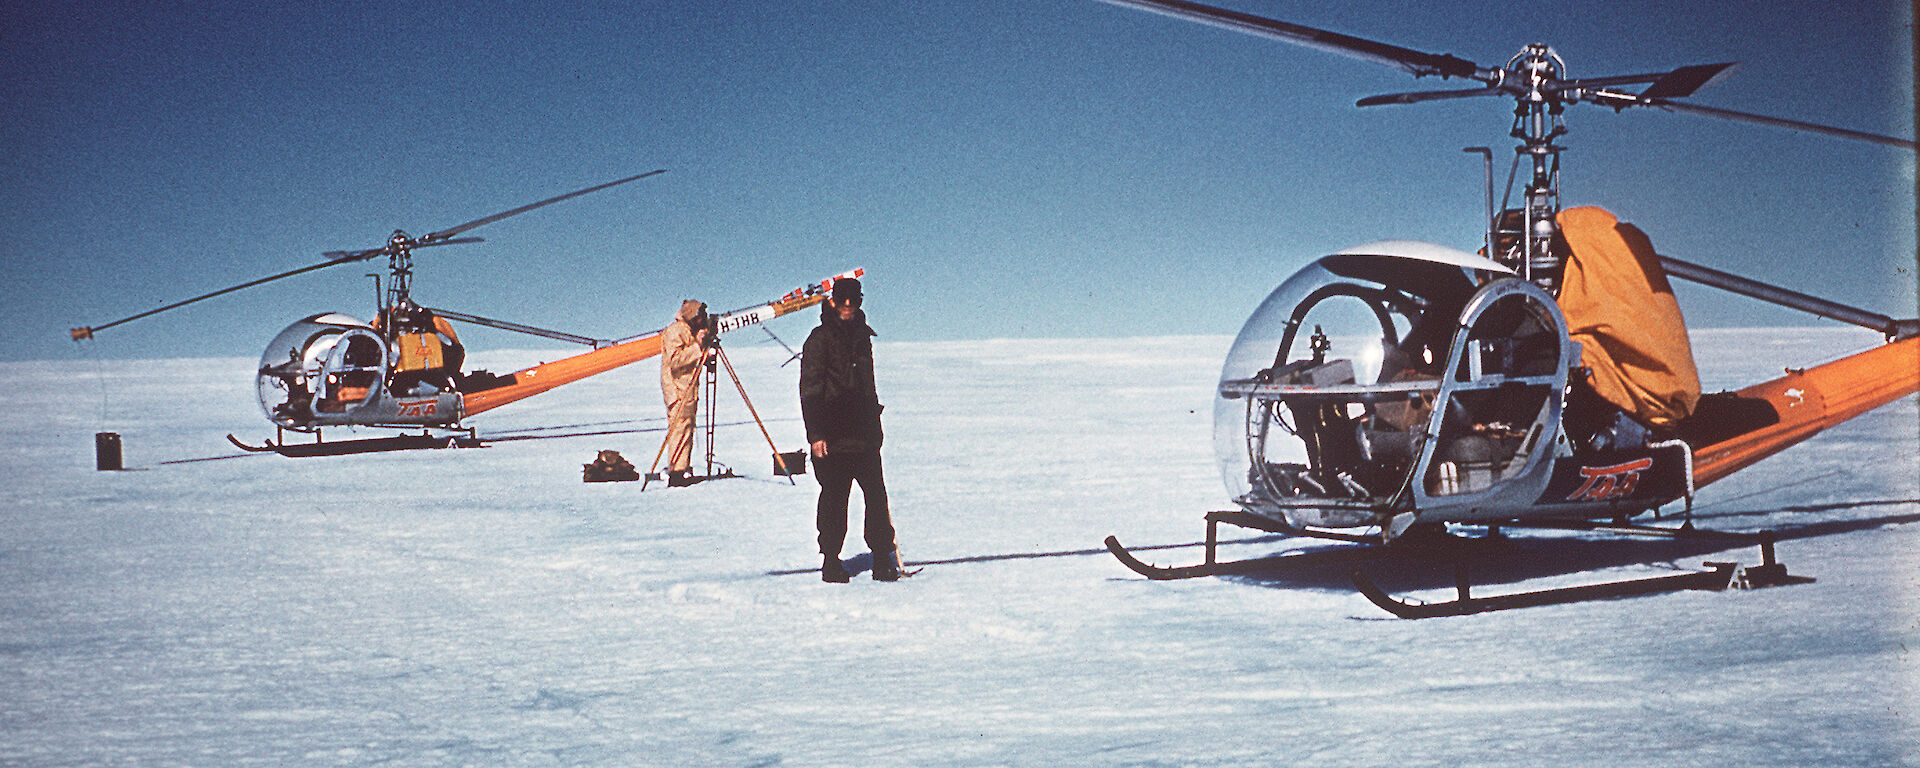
x=1319 y=394
x=292 y=367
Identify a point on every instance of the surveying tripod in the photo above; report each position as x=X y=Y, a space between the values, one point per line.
x=711 y=384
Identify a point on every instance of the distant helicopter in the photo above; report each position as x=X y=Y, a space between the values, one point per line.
x=1547 y=381
x=403 y=369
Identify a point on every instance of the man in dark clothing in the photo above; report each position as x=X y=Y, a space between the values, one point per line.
x=842 y=413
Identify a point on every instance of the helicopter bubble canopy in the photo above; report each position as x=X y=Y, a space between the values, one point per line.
x=329 y=363
x=1345 y=346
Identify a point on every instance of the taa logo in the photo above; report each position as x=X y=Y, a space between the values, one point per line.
x=419 y=409
x=1614 y=482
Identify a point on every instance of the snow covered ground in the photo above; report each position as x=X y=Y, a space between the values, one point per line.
x=486 y=607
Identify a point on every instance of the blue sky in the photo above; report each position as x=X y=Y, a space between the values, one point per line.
x=1004 y=168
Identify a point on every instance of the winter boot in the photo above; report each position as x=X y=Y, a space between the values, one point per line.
x=832 y=572
x=886 y=566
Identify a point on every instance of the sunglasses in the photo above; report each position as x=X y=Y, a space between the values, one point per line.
x=848 y=302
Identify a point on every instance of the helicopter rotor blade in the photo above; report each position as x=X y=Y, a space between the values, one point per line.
x=1664 y=87
x=443 y=237
x=452 y=241
x=1686 y=81
x=1618 y=101
x=86 y=332
x=353 y=255
x=1416 y=63
x=1781 y=122
x=1416 y=97
x=451 y=231
x=1673 y=84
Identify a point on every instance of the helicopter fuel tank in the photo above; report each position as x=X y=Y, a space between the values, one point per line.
x=1408 y=382
x=334 y=369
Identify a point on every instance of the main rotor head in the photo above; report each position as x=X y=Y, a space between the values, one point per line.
x=1536 y=79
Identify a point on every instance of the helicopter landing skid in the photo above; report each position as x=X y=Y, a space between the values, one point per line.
x=1715 y=580
x=1365 y=549
x=1769 y=573
x=370 y=445
x=1368 y=548
x=1270 y=563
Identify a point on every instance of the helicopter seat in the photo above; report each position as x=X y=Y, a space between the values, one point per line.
x=347 y=388
x=1392 y=431
x=1468 y=464
x=354 y=374
x=1486 y=437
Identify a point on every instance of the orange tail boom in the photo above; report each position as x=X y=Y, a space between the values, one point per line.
x=545 y=376
x=1805 y=402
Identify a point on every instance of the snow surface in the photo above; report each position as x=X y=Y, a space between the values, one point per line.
x=486 y=607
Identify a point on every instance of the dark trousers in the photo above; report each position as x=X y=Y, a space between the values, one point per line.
x=837 y=473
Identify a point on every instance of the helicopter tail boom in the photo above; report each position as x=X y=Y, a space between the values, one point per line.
x=540 y=378
x=1771 y=416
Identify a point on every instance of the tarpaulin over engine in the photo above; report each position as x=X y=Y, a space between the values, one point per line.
x=1621 y=309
